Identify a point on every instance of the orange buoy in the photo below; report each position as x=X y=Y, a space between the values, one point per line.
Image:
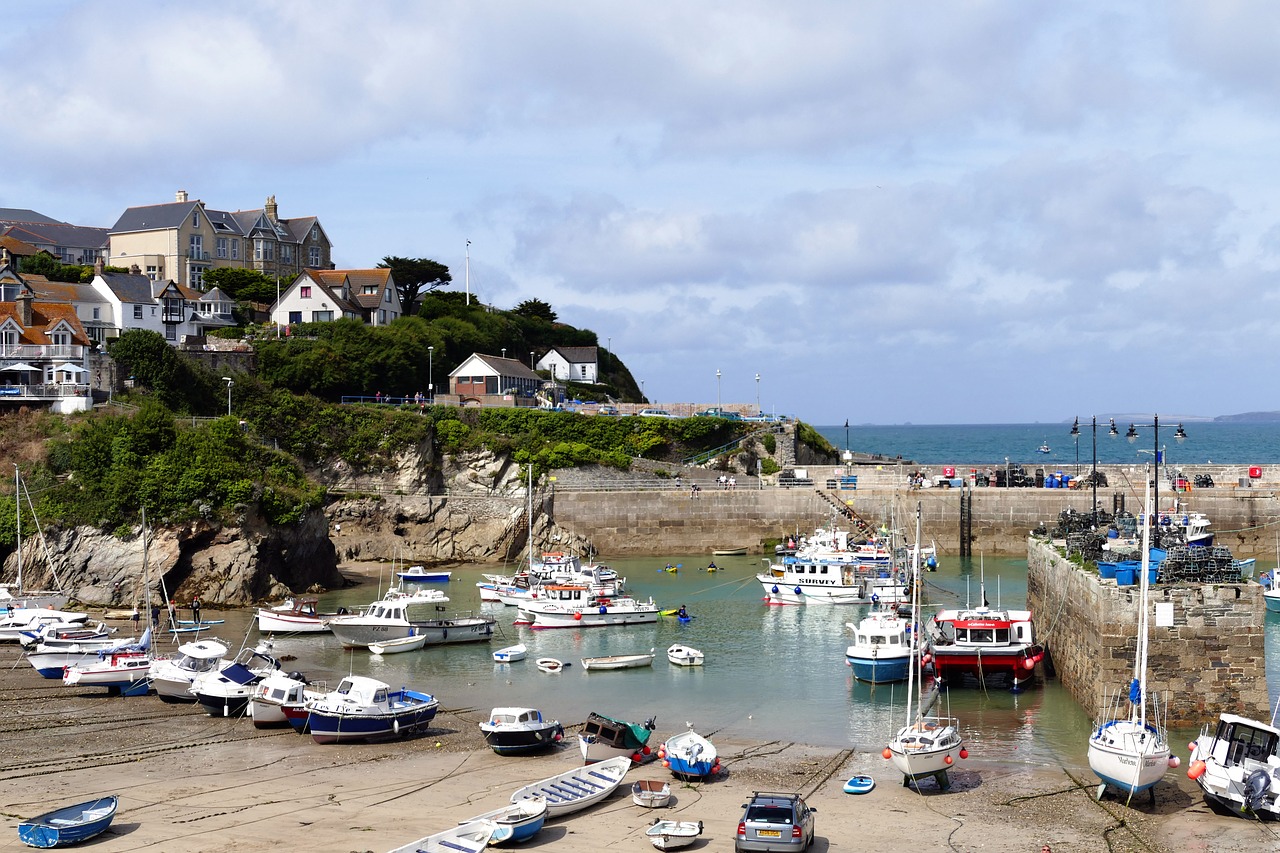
x=887 y=753
x=1196 y=770
x=577 y=617
x=947 y=760
x=666 y=763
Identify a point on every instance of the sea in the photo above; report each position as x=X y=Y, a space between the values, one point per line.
x=1206 y=442
x=771 y=673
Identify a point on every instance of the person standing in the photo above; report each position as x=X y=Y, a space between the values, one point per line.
x=136 y=618
x=155 y=617
x=195 y=611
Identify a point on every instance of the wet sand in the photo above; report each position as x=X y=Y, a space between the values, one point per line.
x=188 y=782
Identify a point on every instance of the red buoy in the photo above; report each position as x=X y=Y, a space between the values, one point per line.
x=887 y=753
x=964 y=753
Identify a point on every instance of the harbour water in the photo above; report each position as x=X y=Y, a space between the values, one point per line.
x=990 y=444
x=771 y=673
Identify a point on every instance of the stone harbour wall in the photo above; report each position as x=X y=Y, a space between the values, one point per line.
x=1210 y=660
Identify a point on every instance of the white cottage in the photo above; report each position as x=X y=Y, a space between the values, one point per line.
x=572 y=364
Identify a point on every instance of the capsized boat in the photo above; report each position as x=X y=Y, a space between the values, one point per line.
x=512 y=731
x=673 y=834
x=68 y=825
x=364 y=708
x=689 y=756
x=516 y=822
x=578 y=788
x=604 y=737
x=620 y=661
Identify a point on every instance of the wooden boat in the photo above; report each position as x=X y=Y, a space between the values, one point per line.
x=689 y=756
x=859 y=785
x=684 y=655
x=511 y=731
x=672 y=834
x=619 y=661
x=578 y=788
x=516 y=822
x=70 y=825
x=367 y=709
x=422 y=574
x=730 y=552
x=403 y=644
x=550 y=666
x=604 y=737
x=511 y=654
x=651 y=793
x=463 y=838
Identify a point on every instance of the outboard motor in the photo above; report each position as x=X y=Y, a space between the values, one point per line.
x=1256 y=787
x=297 y=676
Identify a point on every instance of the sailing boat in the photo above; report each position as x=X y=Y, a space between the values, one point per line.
x=1130 y=751
x=10 y=597
x=928 y=744
x=126 y=668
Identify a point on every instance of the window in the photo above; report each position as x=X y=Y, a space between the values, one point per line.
x=137 y=312
x=257 y=249
x=171 y=332
x=197 y=246
x=153 y=273
x=382 y=318
x=313 y=256
x=322 y=316
x=315 y=232
x=222 y=247
x=197 y=276
x=195 y=219
x=295 y=316
x=97 y=313
x=235 y=248
x=305 y=291
x=369 y=290
x=286 y=254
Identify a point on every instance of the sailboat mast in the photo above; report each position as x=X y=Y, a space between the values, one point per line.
x=916 y=639
x=17 y=505
x=1140 y=659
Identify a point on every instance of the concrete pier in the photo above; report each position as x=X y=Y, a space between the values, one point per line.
x=1208 y=661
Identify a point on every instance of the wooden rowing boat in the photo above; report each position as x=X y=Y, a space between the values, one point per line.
x=578 y=788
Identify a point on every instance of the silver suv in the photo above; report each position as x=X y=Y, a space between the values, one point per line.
x=775 y=822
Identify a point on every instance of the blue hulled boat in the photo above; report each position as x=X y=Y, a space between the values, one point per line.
x=367 y=709
x=70 y=825
x=881 y=650
x=689 y=755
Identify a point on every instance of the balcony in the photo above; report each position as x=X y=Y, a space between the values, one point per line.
x=197 y=256
x=47 y=352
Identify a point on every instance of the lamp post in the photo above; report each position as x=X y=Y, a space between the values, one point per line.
x=227 y=379
x=846 y=436
x=643 y=398
x=1075 y=434
x=759 y=411
x=1132 y=434
x=431 y=375
x=1093 y=476
x=717 y=390
x=531 y=365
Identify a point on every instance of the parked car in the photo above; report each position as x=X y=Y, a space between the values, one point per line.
x=718 y=413
x=775 y=822
x=654 y=413
x=606 y=410
x=762 y=418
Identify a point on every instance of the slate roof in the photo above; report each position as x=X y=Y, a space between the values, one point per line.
x=61 y=234
x=11 y=215
x=128 y=287
x=154 y=216
x=501 y=366
x=578 y=355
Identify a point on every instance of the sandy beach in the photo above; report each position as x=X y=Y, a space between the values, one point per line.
x=188 y=782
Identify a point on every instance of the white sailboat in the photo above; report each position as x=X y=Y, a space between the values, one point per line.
x=1129 y=747
x=15 y=596
x=929 y=744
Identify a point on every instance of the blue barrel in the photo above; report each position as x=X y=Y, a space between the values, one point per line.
x=1112 y=533
x=1107 y=571
x=1066 y=481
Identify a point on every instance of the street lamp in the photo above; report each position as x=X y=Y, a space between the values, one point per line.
x=1075 y=434
x=531 y=365
x=431 y=375
x=227 y=379
x=643 y=398
x=1093 y=477
x=759 y=411
x=717 y=390
x=1179 y=434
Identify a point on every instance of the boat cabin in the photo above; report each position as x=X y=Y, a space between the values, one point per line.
x=572 y=593
x=617 y=732
x=514 y=716
x=1244 y=739
x=361 y=691
x=987 y=628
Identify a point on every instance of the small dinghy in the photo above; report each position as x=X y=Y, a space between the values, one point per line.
x=619 y=661
x=467 y=837
x=70 y=825
x=578 y=788
x=684 y=655
x=403 y=644
x=690 y=756
x=550 y=665
x=651 y=793
x=671 y=834
x=422 y=574
x=516 y=822
x=859 y=785
x=511 y=654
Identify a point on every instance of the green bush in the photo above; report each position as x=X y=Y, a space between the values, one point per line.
x=768 y=466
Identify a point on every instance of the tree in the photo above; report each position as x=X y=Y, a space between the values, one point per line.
x=242 y=285
x=415 y=276
x=535 y=309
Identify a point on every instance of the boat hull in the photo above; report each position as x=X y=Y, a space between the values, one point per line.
x=510 y=654
x=284 y=623
x=70 y=825
x=926 y=748
x=593 y=619
x=880 y=669
x=673 y=834
x=523 y=740
x=1127 y=756
x=333 y=726
x=651 y=794
x=617 y=662
x=577 y=789
x=230 y=704
x=689 y=755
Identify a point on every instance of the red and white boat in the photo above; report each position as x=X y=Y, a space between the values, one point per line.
x=294 y=616
x=984 y=642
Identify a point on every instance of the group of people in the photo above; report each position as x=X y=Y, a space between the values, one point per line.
x=727 y=482
x=173 y=615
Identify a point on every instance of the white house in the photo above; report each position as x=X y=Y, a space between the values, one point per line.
x=137 y=302
x=572 y=364
x=492 y=376
x=322 y=296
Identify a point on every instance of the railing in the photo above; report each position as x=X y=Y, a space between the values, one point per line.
x=42 y=392
x=27 y=352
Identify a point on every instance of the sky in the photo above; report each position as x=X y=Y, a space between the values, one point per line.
x=950 y=212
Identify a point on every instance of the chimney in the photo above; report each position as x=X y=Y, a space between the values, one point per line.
x=99 y=266
x=181 y=196
x=271 y=209
x=25 y=297
x=134 y=269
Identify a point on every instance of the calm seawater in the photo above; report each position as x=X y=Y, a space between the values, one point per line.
x=771 y=673
x=991 y=444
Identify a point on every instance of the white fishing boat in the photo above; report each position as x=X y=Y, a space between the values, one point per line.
x=470 y=837
x=651 y=793
x=124 y=670
x=225 y=692
x=22 y=621
x=421 y=574
x=1237 y=765
x=51 y=660
x=515 y=822
x=1129 y=747
x=578 y=606
x=681 y=655
x=673 y=834
x=280 y=698
x=394 y=647
x=929 y=744
x=881 y=649
x=172 y=677
x=384 y=619
x=512 y=731
x=297 y=615
x=620 y=661
x=576 y=789
x=367 y=709
x=511 y=654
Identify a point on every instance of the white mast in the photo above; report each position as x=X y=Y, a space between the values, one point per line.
x=17 y=505
x=468 y=268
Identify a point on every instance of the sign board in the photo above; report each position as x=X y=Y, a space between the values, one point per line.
x=10 y=392
x=1164 y=614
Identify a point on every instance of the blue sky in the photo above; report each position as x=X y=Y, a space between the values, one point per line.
x=937 y=213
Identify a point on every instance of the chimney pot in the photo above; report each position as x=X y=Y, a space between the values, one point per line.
x=181 y=196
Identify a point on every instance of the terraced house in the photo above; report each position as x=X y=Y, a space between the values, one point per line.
x=184 y=239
